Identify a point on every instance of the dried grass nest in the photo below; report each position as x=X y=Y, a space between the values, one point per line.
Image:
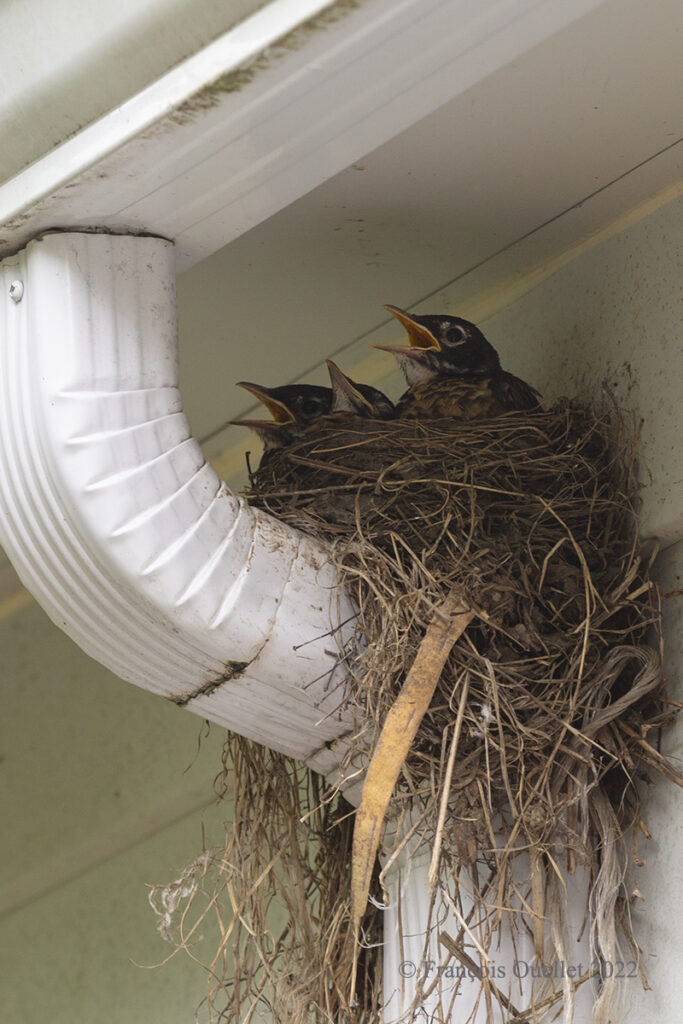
x=530 y=519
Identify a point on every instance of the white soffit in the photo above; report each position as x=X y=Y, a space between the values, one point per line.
x=267 y=112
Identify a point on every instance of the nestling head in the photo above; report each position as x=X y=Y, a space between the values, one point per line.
x=441 y=346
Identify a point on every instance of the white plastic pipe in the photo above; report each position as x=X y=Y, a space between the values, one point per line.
x=414 y=956
x=118 y=526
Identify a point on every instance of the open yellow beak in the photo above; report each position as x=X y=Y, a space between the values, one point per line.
x=278 y=410
x=419 y=336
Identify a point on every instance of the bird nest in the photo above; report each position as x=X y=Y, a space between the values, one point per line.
x=542 y=722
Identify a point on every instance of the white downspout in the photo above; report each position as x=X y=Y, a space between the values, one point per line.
x=414 y=955
x=119 y=527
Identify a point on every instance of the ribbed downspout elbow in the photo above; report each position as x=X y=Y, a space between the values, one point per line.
x=119 y=527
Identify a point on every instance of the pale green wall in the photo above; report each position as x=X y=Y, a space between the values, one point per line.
x=70 y=957
x=615 y=313
x=95 y=803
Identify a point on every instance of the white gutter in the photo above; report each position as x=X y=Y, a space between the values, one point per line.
x=119 y=527
x=279 y=104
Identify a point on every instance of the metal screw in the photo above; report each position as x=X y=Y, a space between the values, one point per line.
x=16 y=291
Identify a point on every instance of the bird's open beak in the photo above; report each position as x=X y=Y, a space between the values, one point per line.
x=344 y=391
x=420 y=337
x=277 y=409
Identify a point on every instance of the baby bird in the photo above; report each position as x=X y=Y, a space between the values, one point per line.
x=293 y=407
x=360 y=399
x=453 y=372
x=305 y=418
x=296 y=407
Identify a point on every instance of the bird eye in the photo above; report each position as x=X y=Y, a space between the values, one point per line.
x=309 y=407
x=455 y=335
